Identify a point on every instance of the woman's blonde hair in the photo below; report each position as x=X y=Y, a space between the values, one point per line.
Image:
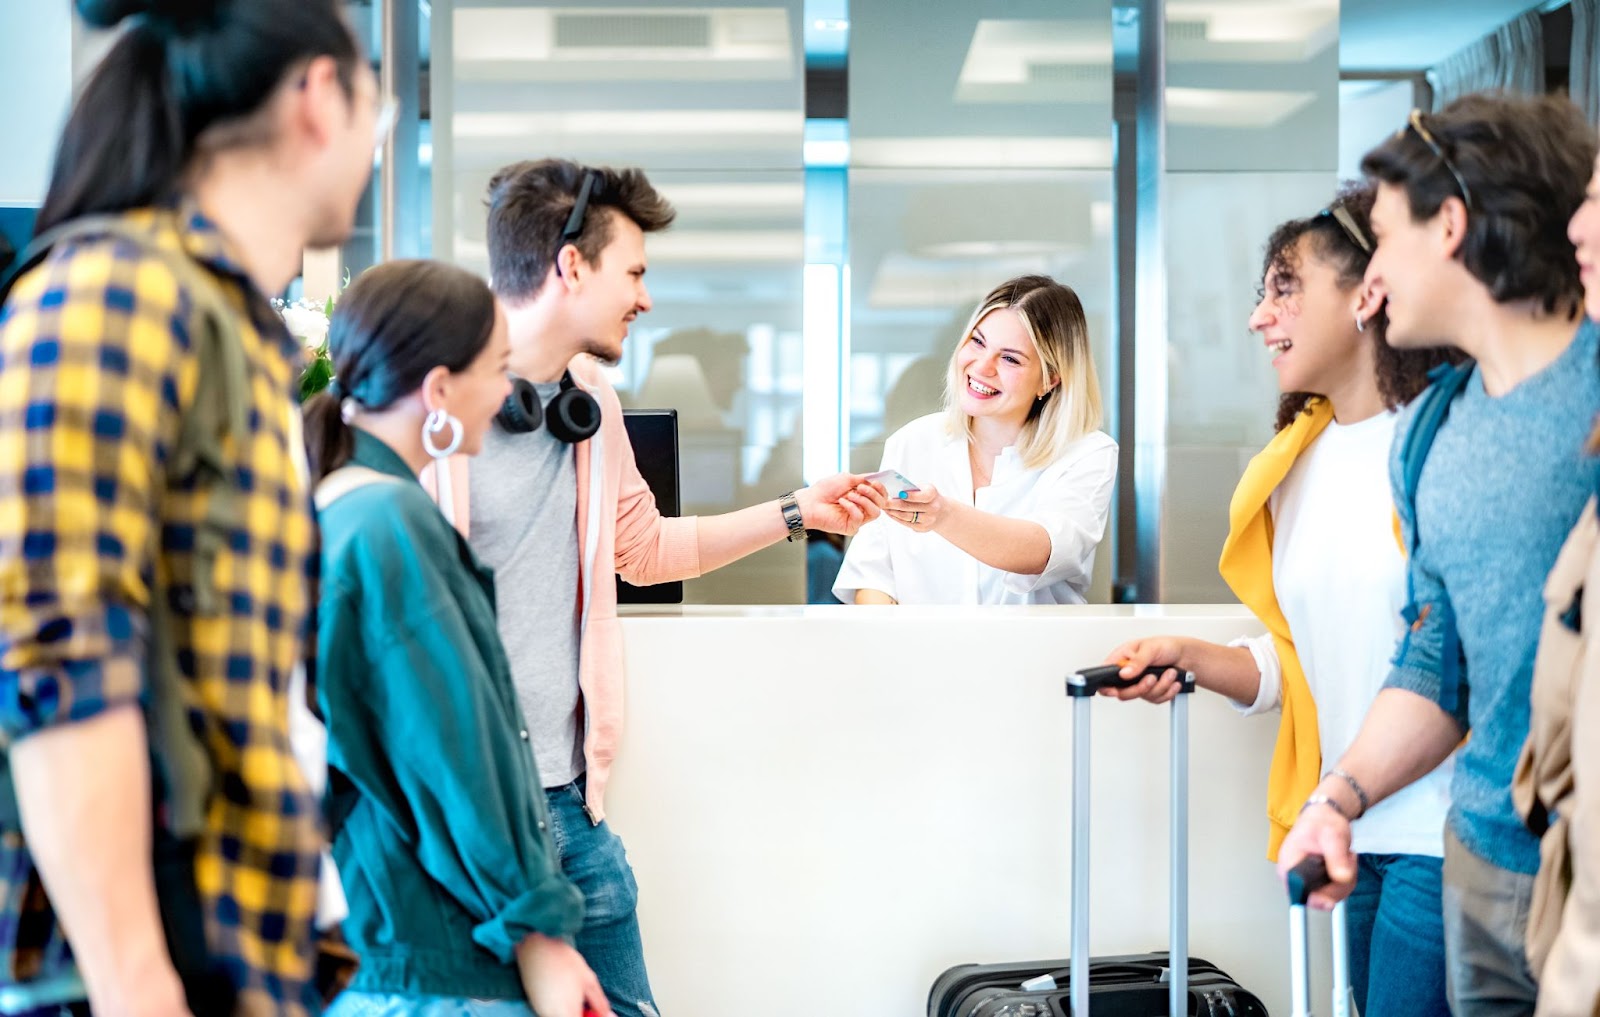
x=1053 y=316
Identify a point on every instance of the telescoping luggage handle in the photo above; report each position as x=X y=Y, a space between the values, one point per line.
x=1081 y=688
x=1303 y=880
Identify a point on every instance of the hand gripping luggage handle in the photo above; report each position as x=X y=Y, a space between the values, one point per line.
x=1109 y=676
x=1306 y=878
x=1081 y=688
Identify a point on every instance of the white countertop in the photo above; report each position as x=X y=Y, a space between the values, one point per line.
x=828 y=805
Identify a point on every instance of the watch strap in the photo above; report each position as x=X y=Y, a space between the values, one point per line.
x=792 y=518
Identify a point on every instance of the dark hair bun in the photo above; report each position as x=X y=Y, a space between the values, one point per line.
x=175 y=17
x=107 y=13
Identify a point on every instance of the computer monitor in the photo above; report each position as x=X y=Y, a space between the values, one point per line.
x=654 y=436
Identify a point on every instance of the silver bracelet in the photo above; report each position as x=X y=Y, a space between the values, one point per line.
x=1324 y=800
x=1361 y=792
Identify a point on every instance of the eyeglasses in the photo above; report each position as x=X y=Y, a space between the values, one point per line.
x=383 y=123
x=1414 y=123
x=1347 y=223
x=591 y=180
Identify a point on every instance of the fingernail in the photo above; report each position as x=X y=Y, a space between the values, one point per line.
x=901 y=495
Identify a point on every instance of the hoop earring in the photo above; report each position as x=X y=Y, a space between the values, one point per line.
x=1361 y=326
x=437 y=421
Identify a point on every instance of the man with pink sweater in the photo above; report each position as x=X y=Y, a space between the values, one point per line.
x=556 y=510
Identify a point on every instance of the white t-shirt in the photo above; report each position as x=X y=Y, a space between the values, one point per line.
x=1340 y=580
x=1069 y=498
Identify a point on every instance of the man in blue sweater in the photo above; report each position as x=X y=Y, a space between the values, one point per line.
x=1470 y=221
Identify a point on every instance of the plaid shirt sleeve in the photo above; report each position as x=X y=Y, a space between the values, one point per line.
x=91 y=344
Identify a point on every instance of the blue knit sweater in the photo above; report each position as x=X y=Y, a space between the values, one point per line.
x=1503 y=484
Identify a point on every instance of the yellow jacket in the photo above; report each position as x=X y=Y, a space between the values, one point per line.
x=1246 y=566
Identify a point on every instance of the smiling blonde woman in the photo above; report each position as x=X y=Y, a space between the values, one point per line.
x=1009 y=487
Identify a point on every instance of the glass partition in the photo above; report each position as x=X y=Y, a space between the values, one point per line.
x=814 y=287
x=980 y=150
x=708 y=100
x=1253 y=140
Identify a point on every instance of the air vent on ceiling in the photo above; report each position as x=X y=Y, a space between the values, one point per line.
x=653 y=31
x=1068 y=74
x=1186 y=31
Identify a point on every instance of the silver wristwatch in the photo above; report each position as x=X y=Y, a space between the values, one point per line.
x=791 y=515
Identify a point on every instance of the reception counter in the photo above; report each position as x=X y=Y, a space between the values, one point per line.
x=827 y=806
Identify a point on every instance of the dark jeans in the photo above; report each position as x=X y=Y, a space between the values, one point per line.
x=1396 y=932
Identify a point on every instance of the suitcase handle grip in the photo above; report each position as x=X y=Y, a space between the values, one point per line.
x=1307 y=878
x=1090 y=680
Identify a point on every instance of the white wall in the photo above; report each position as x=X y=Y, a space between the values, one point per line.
x=1369 y=112
x=35 y=92
x=826 y=807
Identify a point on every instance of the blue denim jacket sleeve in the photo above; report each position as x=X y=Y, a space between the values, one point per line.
x=423 y=719
x=1428 y=660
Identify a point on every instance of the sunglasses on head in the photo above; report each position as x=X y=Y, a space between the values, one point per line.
x=1347 y=223
x=1414 y=123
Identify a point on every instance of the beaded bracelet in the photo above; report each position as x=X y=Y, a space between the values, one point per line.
x=1361 y=792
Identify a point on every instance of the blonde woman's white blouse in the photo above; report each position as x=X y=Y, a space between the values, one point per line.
x=1070 y=498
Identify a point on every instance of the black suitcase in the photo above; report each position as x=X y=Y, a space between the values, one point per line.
x=1136 y=985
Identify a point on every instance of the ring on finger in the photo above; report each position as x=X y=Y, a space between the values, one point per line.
x=915 y=516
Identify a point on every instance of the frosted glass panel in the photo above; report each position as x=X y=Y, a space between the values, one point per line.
x=708 y=101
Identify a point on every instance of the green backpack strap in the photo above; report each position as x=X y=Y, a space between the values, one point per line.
x=219 y=412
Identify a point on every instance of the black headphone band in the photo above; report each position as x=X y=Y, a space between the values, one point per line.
x=572 y=414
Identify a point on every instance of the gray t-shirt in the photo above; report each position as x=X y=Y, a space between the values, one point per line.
x=525 y=527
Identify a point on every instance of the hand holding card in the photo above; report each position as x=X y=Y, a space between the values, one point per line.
x=893 y=481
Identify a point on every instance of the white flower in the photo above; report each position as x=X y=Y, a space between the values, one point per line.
x=308 y=324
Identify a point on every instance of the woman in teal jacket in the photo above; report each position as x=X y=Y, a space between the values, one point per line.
x=456 y=901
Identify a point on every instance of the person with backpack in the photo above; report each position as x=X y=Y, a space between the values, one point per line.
x=160 y=850
x=1557 y=785
x=1311 y=551
x=443 y=839
x=1488 y=474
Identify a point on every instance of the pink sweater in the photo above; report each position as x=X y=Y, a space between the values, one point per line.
x=620 y=532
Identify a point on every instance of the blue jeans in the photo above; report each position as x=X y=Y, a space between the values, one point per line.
x=383 y=1004
x=1396 y=930
x=593 y=858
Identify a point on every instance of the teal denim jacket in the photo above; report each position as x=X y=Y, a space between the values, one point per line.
x=442 y=836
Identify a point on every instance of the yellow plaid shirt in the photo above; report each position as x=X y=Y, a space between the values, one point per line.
x=95 y=372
